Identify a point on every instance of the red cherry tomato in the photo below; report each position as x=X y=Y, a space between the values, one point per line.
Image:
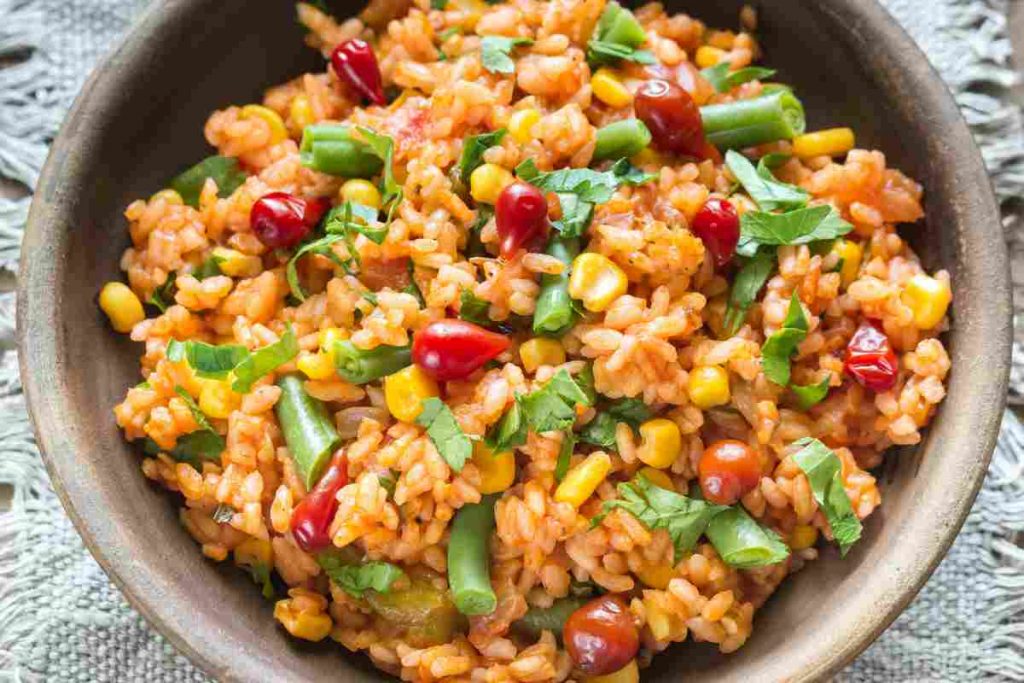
x=870 y=359
x=452 y=349
x=728 y=469
x=356 y=64
x=601 y=636
x=718 y=227
x=312 y=517
x=672 y=117
x=521 y=217
x=281 y=220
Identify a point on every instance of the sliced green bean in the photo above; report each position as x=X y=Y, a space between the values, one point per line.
x=621 y=139
x=469 y=571
x=538 y=619
x=307 y=427
x=746 y=123
x=330 y=148
x=554 y=314
x=360 y=366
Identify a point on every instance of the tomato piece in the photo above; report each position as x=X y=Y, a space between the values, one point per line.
x=601 y=636
x=312 y=517
x=520 y=216
x=728 y=470
x=718 y=226
x=356 y=64
x=870 y=359
x=452 y=349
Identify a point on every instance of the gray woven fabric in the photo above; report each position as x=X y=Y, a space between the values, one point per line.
x=62 y=620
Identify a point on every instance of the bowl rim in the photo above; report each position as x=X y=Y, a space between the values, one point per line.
x=34 y=310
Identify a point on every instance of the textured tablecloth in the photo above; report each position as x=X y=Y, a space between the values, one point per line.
x=62 y=620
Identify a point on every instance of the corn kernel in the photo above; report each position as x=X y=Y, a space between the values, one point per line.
x=627 y=674
x=254 y=551
x=301 y=113
x=850 y=255
x=487 y=182
x=328 y=337
x=663 y=624
x=361 y=192
x=609 y=89
x=583 y=479
x=657 y=575
x=168 y=196
x=657 y=477
x=497 y=470
x=803 y=536
x=236 y=264
x=521 y=123
x=405 y=391
x=662 y=443
x=596 y=281
x=278 y=132
x=832 y=142
x=121 y=305
x=541 y=351
x=928 y=298
x=708 y=55
x=708 y=386
x=305 y=625
x=317 y=366
x=217 y=400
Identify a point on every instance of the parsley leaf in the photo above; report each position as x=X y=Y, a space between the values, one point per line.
x=474 y=309
x=446 y=434
x=810 y=395
x=824 y=473
x=794 y=227
x=601 y=430
x=225 y=171
x=565 y=452
x=779 y=348
x=438 y=4
x=473 y=149
x=745 y=288
x=352 y=216
x=510 y=431
x=320 y=246
x=495 y=53
x=601 y=52
x=265 y=360
x=553 y=406
x=202 y=444
x=576 y=215
x=208 y=268
x=210 y=361
x=163 y=296
x=260 y=573
x=356 y=579
x=761 y=185
x=340 y=224
x=384 y=147
x=722 y=80
x=616 y=38
x=684 y=518
x=743 y=543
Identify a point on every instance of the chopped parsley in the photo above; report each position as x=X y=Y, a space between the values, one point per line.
x=265 y=360
x=225 y=171
x=473 y=149
x=779 y=348
x=761 y=185
x=800 y=226
x=748 y=282
x=210 y=361
x=496 y=51
x=723 y=80
x=356 y=579
x=824 y=473
x=601 y=430
x=445 y=433
x=811 y=395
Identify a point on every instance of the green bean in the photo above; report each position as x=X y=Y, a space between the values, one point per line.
x=330 y=148
x=552 y=618
x=308 y=428
x=469 y=572
x=743 y=543
x=621 y=139
x=554 y=314
x=360 y=366
x=746 y=123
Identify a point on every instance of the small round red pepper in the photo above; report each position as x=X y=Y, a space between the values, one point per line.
x=870 y=359
x=673 y=119
x=520 y=216
x=356 y=64
x=312 y=517
x=718 y=227
x=281 y=220
x=452 y=349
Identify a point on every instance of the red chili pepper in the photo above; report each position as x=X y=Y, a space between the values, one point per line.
x=312 y=517
x=281 y=220
x=356 y=64
x=521 y=217
x=452 y=349
x=718 y=227
x=673 y=119
x=870 y=359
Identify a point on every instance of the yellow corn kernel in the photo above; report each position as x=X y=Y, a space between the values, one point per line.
x=168 y=196
x=301 y=113
x=216 y=399
x=236 y=264
x=662 y=443
x=627 y=674
x=361 y=192
x=328 y=337
x=663 y=624
x=405 y=391
x=316 y=365
x=121 y=305
x=541 y=351
x=647 y=156
x=521 y=123
x=803 y=536
x=583 y=479
x=708 y=55
x=609 y=89
x=596 y=281
x=657 y=575
x=497 y=470
x=254 y=551
x=312 y=626
x=278 y=132
x=832 y=142
x=928 y=298
x=850 y=255
x=657 y=477
x=708 y=386
x=487 y=182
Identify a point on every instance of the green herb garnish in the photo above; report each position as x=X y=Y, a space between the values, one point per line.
x=473 y=149
x=601 y=430
x=723 y=80
x=780 y=347
x=445 y=433
x=225 y=171
x=745 y=287
x=210 y=361
x=761 y=185
x=743 y=543
x=264 y=360
x=356 y=579
x=495 y=53
x=824 y=473
x=811 y=395
x=801 y=226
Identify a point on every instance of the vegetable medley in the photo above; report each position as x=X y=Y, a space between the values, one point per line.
x=526 y=339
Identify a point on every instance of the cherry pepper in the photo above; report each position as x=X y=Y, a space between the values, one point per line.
x=312 y=517
x=870 y=359
x=452 y=349
x=356 y=64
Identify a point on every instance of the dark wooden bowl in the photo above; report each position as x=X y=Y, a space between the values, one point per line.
x=139 y=120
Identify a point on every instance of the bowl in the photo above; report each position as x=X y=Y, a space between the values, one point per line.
x=139 y=120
